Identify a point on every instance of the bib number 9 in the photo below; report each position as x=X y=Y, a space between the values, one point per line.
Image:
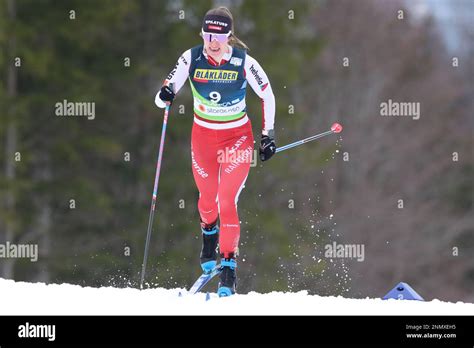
x=215 y=96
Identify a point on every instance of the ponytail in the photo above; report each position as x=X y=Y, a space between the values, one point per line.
x=235 y=41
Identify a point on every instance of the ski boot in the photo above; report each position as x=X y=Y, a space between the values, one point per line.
x=210 y=238
x=228 y=277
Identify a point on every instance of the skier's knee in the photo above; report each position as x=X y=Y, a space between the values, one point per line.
x=207 y=205
x=207 y=210
x=227 y=206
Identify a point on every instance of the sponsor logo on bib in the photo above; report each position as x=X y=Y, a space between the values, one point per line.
x=206 y=75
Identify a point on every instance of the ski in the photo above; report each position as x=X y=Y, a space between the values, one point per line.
x=204 y=279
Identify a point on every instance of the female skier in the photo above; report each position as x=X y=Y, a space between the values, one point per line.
x=222 y=139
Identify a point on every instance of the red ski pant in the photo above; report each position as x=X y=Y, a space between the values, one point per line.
x=221 y=161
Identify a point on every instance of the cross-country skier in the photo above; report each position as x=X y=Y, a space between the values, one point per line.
x=222 y=139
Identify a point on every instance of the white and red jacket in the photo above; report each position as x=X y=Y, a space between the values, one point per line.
x=253 y=74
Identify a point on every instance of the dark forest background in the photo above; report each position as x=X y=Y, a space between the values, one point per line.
x=81 y=189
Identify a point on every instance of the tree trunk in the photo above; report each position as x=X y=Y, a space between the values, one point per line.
x=44 y=222
x=11 y=141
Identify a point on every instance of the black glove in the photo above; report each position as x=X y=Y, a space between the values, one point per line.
x=267 y=147
x=167 y=94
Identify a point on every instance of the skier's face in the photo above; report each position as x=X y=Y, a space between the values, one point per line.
x=215 y=48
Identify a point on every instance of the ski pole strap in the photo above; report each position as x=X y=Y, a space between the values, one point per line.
x=229 y=263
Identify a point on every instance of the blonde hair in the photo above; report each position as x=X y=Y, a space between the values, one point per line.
x=225 y=12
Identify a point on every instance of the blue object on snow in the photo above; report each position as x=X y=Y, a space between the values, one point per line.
x=208 y=297
x=403 y=291
x=224 y=291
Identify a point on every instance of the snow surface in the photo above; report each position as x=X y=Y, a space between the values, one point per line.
x=19 y=298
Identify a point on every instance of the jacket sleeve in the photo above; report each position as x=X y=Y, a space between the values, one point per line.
x=177 y=76
x=259 y=82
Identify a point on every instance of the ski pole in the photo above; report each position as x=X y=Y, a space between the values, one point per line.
x=155 y=192
x=335 y=128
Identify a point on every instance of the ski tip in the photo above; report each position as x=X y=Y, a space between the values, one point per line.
x=336 y=128
x=208 y=297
